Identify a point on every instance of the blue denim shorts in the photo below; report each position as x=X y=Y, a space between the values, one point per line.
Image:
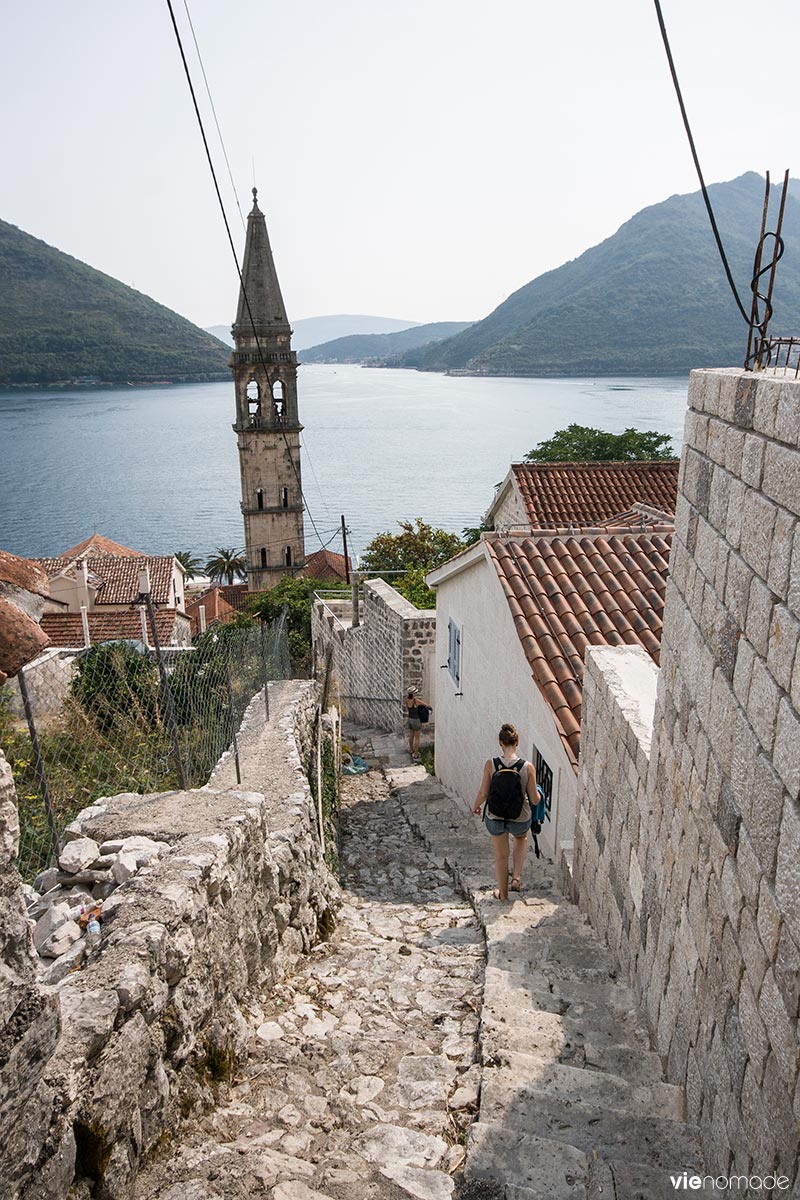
x=516 y=828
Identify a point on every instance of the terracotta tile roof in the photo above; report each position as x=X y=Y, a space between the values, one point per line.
x=23 y=573
x=237 y=595
x=96 y=545
x=120 y=576
x=561 y=494
x=66 y=629
x=218 y=611
x=567 y=593
x=325 y=564
x=21 y=639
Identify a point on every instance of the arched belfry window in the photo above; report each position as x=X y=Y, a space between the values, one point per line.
x=287 y=556
x=260 y=497
x=263 y=557
x=284 y=497
x=253 y=399
x=278 y=399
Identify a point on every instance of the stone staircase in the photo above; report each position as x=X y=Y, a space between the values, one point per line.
x=573 y=1103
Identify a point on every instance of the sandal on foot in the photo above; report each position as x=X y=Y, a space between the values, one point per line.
x=497 y=896
x=516 y=885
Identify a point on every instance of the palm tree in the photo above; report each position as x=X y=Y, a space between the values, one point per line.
x=191 y=564
x=227 y=564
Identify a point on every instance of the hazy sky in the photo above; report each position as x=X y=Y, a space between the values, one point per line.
x=417 y=159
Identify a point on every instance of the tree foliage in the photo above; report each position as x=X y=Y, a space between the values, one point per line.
x=228 y=564
x=294 y=595
x=191 y=564
x=580 y=443
x=418 y=546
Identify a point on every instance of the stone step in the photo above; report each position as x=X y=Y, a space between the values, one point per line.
x=559 y=1039
x=533 y=1167
x=515 y=1159
x=514 y=999
x=515 y=1082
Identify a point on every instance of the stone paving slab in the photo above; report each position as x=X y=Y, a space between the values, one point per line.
x=573 y=1100
x=362 y=1077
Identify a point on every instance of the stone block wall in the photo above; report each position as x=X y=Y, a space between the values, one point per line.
x=30 y=1020
x=376 y=662
x=155 y=1020
x=705 y=914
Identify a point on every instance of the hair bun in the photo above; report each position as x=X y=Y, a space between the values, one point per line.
x=508 y=735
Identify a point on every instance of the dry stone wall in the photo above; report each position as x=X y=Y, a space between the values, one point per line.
x=153 y=1020
x=376 y=662
x=687 y=849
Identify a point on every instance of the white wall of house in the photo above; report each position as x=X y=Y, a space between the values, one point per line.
x=497 y=686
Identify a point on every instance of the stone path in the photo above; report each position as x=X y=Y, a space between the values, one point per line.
x=573 y=1103
x=362 y=1079
x=369 y=1064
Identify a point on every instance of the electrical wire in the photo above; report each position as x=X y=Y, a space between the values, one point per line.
x=211 y=167
x=214 y=113
x=703 y=188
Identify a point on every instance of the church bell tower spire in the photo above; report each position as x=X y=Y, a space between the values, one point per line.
x=267 y=425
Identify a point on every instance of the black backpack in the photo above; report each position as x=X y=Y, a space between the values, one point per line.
x=506 y=797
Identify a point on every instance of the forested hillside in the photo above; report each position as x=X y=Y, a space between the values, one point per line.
x=380 y=348
x=60 y=320
x=651 y=300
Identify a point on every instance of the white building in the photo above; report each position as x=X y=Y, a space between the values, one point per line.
x=514 y=615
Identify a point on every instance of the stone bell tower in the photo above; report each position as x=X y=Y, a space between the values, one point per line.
x=265 y=377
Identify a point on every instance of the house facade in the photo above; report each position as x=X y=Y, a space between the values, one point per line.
x=483 y=679
x=514 y=616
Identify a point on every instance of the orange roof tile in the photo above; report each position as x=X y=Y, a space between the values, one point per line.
x=23 y=573
x=97 y=544
x=218 y=611
x=66 y=629
x=325 y=564
x=120 y=576
x=572 y=493
x=568 y=592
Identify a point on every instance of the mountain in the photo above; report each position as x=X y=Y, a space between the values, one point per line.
x=61 y=320
x=379 y=348
x=651 y=300
x=310 y=331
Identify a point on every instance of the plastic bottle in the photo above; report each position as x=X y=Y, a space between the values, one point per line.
x=78 y=911
x=93 y=934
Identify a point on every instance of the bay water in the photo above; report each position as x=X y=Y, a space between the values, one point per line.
x=156 y=468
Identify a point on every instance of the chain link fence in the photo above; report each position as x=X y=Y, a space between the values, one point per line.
x=118 y=718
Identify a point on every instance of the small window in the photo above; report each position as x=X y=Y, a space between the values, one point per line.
x=454 y=652
x=260 y=498
x=263 y=557
x=252 y=390
x=284 y=497
x=253 y=399
x=544 y=778
x=287 y=556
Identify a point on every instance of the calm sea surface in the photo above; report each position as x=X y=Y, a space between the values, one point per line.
x=156 y=468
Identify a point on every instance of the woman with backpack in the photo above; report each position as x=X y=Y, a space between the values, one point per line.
x=507 y=786
x=418 y=713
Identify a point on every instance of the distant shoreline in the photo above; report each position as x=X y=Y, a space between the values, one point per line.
x=85 y=384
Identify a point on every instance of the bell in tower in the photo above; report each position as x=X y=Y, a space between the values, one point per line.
x=267 y=425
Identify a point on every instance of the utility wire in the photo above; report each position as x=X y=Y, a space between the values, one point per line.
x=233 y=251
x=703 y=187
x=214 y=112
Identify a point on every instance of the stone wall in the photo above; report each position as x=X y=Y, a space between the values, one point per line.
x=153 y=1023
x=48 y=680
x=29 y=1016
x=376 y=662
x=689 y=858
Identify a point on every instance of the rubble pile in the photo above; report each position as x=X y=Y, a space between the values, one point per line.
x=66 y=898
